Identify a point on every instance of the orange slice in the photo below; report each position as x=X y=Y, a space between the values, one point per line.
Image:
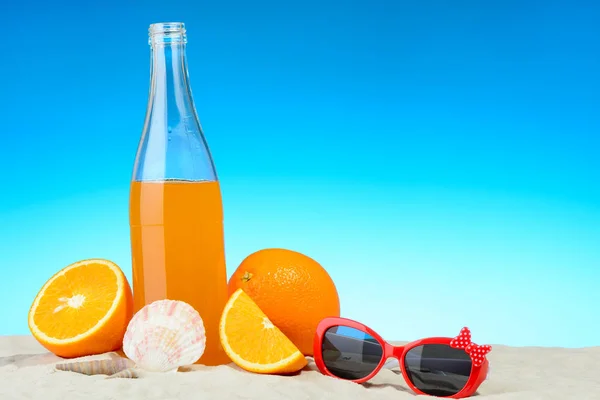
x=83 y=309
x=252 y=341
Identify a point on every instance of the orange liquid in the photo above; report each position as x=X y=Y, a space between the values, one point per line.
x=178 y=251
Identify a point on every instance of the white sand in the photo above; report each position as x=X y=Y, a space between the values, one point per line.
x=26 y=372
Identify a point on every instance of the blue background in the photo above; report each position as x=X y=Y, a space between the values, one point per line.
x=439 y=158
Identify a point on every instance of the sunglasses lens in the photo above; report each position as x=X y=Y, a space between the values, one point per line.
x=438 y=369
x=349 y=353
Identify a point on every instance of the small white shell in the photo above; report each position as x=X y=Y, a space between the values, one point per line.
x=165 y=335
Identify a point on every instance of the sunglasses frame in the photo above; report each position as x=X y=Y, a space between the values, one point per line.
x=477 y=376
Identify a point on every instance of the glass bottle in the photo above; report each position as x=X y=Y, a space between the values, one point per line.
x=175 y=208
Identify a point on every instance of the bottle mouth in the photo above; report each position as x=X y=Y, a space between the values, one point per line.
x=166 y=33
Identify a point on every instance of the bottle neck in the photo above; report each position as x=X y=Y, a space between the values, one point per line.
x=169 y=78
x=170 y=93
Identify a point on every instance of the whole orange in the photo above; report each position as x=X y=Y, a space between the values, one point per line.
x=292 y=289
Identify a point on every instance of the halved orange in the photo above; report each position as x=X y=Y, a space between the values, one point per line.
x=252 y=341
x=83 y=309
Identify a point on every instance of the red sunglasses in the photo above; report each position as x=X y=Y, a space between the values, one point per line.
x=438 y=366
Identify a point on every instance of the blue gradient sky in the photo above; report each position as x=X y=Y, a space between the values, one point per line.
x=439 y=158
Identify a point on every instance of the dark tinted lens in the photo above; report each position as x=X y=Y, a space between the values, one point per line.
x=438 y=369
x=349 y=353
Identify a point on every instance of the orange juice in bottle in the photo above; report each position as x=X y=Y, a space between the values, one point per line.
x=175 y=208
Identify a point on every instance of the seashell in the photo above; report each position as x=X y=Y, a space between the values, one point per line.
x=97 y=367
x=165 y=335
x=121 y=368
